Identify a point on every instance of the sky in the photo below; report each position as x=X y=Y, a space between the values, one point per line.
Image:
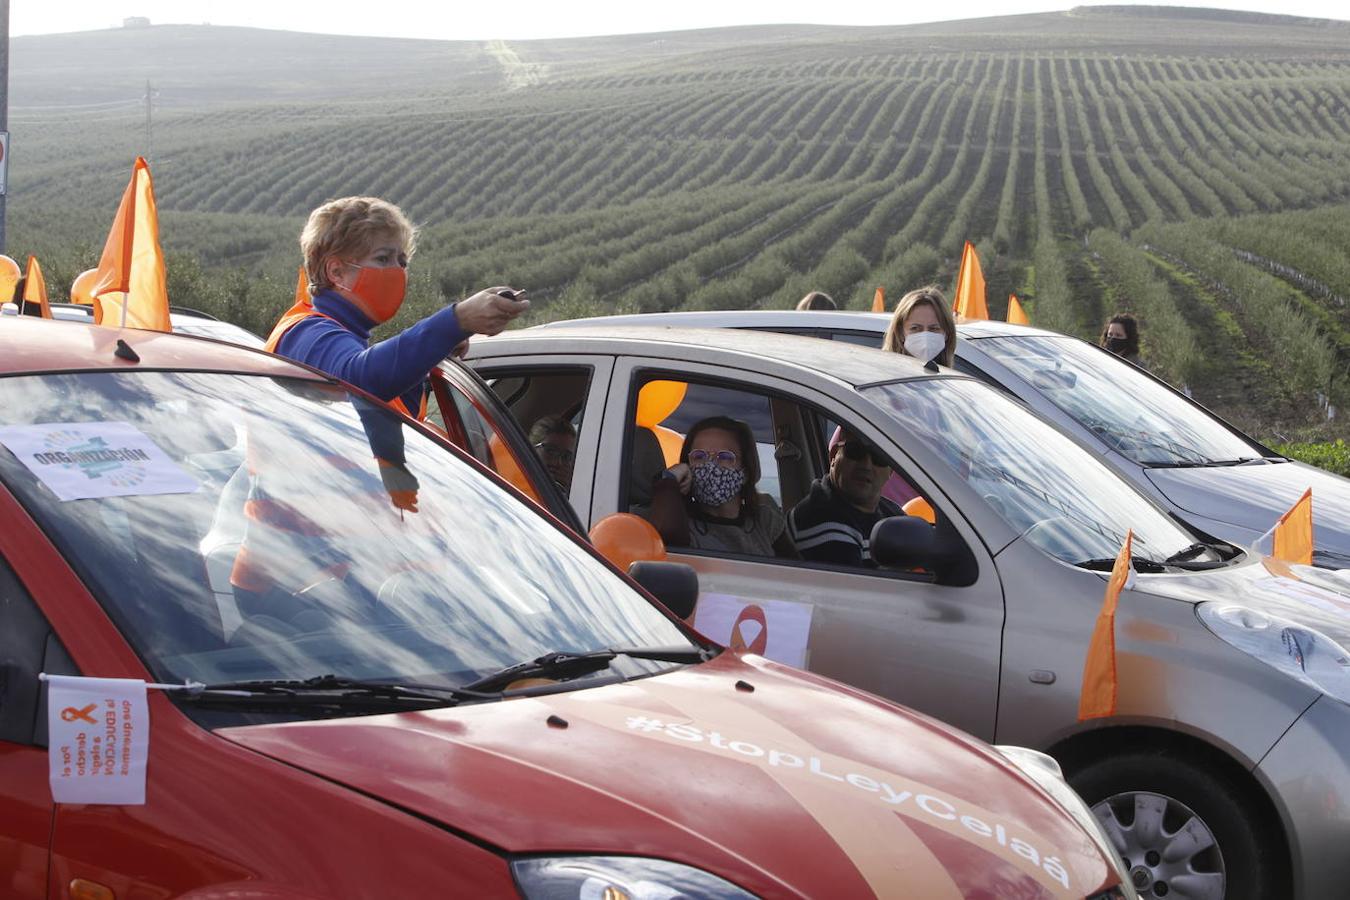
x=529 y=19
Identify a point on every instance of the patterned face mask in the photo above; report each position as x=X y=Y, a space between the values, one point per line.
x=715 y=485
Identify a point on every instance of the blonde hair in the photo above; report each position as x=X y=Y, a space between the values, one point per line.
x=931 y=295
x=350 y=228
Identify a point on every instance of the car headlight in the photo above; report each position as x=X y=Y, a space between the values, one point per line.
x=618 y=878
x=1042 y=769
x=1303 y=653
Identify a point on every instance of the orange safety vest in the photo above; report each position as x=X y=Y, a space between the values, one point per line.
x=302 y=310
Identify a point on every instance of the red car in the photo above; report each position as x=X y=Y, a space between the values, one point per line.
x=397 y=678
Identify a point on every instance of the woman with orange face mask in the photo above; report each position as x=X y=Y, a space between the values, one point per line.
x=356 y=253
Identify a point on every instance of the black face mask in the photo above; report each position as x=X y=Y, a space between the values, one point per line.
x=1117 y=345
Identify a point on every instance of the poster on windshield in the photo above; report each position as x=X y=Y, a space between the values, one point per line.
x=84 y=460
x=775 y=629
x=98 y=739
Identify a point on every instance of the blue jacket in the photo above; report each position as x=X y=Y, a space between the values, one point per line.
x=340 y=346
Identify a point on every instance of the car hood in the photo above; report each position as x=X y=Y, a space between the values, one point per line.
x=1318 y=598
x=782 y=782
x=1254 y=496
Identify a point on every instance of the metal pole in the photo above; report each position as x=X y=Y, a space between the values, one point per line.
x=147 y=119
x=4 y=102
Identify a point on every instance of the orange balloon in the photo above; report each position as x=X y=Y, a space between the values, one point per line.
x=921 y=508
x=671 y=442
x=657 y=400
x=9 y=278
x=623 y=539
x=82 y=288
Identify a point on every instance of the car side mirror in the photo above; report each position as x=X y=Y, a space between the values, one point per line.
x=674 y=584
x=909 y=542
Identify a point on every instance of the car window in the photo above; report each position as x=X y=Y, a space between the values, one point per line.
x=549 y=405
x=860 y=338
x=701 y=401
x=27 y=647
x=1059 y=496
x=475 y=429
x=1122 y=406
x=306 y=532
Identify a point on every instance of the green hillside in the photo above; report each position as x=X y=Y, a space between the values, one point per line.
x=1190 y=165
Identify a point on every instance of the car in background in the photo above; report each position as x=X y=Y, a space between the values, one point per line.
x=1221 y=481
x=389 y=674
x=183 y=319
x=1223 y=771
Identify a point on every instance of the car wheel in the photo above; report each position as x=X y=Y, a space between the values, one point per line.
x=1185 y=831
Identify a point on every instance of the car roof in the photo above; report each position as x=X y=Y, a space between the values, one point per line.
x=32 y=345
x=831 y=319
x=849 y=363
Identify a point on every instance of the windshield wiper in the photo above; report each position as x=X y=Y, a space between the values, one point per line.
x=1196 y=463
x=1187 y=552
x=332 y=690
x=563 y=665
x=1106 y=564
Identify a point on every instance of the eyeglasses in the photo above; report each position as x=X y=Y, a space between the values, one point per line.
x=555 y=454
x=856 y=450
x=727 y=459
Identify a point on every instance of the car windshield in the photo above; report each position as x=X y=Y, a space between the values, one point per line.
x=1128 y=411
x=1048 y=488
x=284 y=529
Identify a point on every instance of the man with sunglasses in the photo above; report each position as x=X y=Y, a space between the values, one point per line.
x=833 y=523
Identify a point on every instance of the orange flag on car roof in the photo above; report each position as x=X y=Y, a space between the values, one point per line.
x=1097 y=699
x=1016 y=314
x=302 y=288
x=879 y=300
x=970 y=303
x=132 y=265
x=1294 y=532
x=35 y=289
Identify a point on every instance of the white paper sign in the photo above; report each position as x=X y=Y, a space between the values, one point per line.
x=98 y=739
x=77 y=461
x=775 y=629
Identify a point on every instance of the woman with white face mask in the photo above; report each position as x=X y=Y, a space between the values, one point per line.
x=923 y=327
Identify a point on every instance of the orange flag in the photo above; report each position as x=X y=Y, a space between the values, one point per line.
x=1016 y=314
x=879 y=300
x=970 y=287
x=132 y=265
x=35 y=289
x=1294 y=532
x=1097 y=698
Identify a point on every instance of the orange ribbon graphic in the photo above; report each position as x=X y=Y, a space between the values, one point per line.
x=760 y=642
x=70 y=713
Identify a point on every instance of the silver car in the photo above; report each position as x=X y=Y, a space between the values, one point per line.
x=1221 y=481
x=1224 y=772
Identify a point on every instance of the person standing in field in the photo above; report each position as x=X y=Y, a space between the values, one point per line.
x=356 y=252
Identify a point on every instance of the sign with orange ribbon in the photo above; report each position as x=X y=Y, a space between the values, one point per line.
x=98 y=739
x=776 y=629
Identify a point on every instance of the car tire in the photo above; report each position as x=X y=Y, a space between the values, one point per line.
x=1159 y=808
